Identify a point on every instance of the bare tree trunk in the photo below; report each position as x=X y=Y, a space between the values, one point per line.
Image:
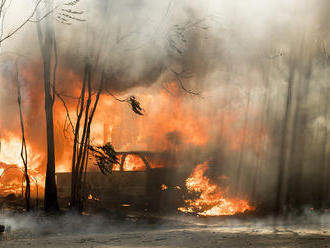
x=293 y=198
x=23 y=148
x=76 y=141
x=81 y=145
x=283 y=142
x=47 y=44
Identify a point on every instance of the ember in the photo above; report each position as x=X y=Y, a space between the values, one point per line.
x=212 y=200
x=163 y=187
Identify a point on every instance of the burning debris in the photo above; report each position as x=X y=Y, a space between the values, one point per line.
x=164 y=187
x=211 y=200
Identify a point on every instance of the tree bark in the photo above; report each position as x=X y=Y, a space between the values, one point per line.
x=47 y=44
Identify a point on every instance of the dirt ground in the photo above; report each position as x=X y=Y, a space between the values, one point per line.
x=170 y=231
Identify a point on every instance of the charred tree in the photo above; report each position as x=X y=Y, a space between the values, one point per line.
x=283 y=139
x=82 y=130
x=298 y=140
x=23 y=147
x=48 y=49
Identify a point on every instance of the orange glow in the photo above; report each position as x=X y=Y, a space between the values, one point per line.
x=134 y=163
x=12 y=169
x=168 y=122
x=212 y=200
x=172 y=122
x=91 y=197
x=163 y=187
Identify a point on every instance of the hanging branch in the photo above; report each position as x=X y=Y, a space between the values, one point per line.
x=177 y=40
x=132 y=101
x=105 y=157
x=178 y=77
x=65 y=15
x=72 y=3
x=66 y=110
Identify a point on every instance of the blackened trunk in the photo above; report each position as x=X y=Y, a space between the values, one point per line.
x=47 y=43
x=23 y=147
x=51 y=203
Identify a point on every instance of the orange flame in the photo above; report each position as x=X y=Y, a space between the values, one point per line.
x=212 y=200
x=171 y=122
x=163 y=187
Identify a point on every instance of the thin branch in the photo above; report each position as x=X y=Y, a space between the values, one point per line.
x=73 y=12
x=23 y=147
x=72 y=3
x=178 y=77
x=116 y=98
x=132 y=101
x=22 y=25
x=66 y=109
x=44 y=16
x=72 y=17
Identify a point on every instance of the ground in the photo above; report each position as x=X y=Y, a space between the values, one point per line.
x=164 y=231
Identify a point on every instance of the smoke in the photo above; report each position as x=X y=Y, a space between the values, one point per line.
x=70 y=228
x=237 y=56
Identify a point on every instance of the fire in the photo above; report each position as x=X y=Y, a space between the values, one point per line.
x=212 y=199
x=169 y=121
x=12 y=150
x=172 y=123
x=12 y=170
x=91 y=197
x=133 y=163
x=163 y=187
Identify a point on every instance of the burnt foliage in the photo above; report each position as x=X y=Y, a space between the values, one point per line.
x=105 y=157
x=135 y=105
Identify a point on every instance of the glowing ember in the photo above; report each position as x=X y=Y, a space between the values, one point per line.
x=163 y=187
x=212 y=200
x=91 y=197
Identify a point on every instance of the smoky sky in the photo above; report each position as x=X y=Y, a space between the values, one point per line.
x=140 y=42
